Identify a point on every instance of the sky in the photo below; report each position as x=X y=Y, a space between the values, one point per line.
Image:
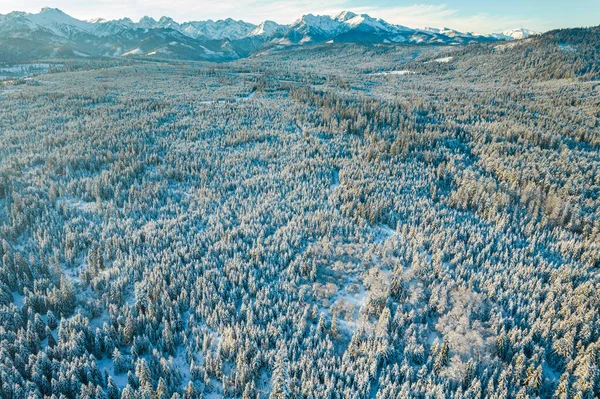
x=484 y=16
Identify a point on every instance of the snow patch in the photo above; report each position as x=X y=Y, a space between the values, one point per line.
x=135 y=51
x=336 y=180
x=235 y=100
x=549 y=372
x=384 y=232
x=392 y=73
x=432 y=336
x=18 y=299
x=180 y=363
x=567 y=48
x=109 y=366
x=76 y=203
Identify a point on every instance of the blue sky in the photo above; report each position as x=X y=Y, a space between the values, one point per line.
x=467 y=15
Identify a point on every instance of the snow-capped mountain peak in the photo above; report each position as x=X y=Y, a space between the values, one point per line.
x=365 y=22
x=147 y=22
x=58 y=22
x=97 y=20
x=344 y=16
x=51 y=10
x=520 y=33
x=345 y=22
x=514 y=34
x=218 y=30
x=220 y=39
x=320 y=23
x=267 y=28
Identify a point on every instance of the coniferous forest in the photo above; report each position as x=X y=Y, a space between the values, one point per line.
x=329 y=221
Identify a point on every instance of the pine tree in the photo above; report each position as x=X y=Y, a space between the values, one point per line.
x=161 y=389
x=142 y=372
x=112 y=390
x=280 y=379
x=249 y=391
x=190 y=392
x=334 y=329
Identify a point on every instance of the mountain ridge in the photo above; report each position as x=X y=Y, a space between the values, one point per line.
x=54 y=33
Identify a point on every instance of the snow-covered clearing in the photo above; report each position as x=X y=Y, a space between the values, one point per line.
x=180 y=363
x=109 y=366
x=384 y=232
x=444 y=60
x=135 y=51
x=335 y=181
x=392 y=73
x=567 y=48
x=347 y=304
x=25 y=68
x=78 y=204
x=433 y=335
x=549 y=372
x=17 y=299
x=235 y=100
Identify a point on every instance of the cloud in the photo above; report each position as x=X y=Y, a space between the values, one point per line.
x=282 y=11
x=425 y=15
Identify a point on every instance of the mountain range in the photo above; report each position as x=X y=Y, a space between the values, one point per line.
x=53 y=33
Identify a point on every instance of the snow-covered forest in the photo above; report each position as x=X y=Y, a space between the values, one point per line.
x=335 y=221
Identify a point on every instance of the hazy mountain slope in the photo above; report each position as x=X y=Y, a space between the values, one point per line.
x=516 y=34
x=559 y=54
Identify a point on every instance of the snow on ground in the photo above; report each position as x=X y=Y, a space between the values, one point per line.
x=357 y=298
x=248 y=97
x=235 y=100
x=108 y=365
x=99 y=321
x=264 y=384
x=207 y=51
x=213 y=102
x=9 y=89
x=392 y=73
x=432 y=336
x=73 y=273
x=347 y=304
x=78 y=204
x=135 y=51
x=18 y=299
x=44 y=343
x=24 y=68
x=180 y=363
x=384 y=232
x=216 y=390
x=502 y=47
x=444 y=59
x=336 y=180
x=567 y=48
x=549 y=372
